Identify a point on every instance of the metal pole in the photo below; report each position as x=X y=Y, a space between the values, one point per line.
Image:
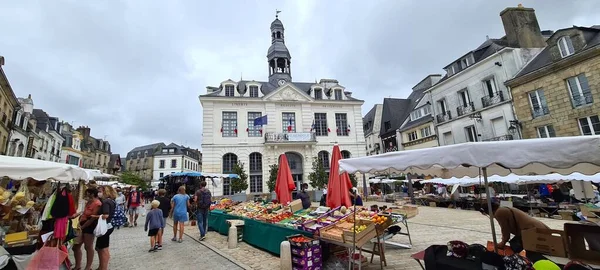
x=365 y=193
x=489 y=204
x=411 y=193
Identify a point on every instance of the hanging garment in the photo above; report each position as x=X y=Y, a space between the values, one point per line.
x=60 y=208
x=46 y=213
x=60 y=227
x=72 y=209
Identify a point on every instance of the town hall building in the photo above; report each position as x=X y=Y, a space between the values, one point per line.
x=253 y=122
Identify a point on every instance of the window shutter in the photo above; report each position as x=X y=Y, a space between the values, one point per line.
x=583 y=82
x=574 y=90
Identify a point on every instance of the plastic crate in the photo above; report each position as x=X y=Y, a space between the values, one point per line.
x=311 y=242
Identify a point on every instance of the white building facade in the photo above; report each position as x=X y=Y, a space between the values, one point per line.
x=471 y=103
x=71 y=148
x=371 y=127
x=254 y=122
x=174 y=158
x=19 y=137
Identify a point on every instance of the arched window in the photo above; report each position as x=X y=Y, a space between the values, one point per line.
x=345 y=154
x=256 y=177
x=324 y=158
x=229 y=161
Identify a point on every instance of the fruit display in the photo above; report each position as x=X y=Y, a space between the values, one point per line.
x=300 y=239
x=379 y=219
x=359 y=228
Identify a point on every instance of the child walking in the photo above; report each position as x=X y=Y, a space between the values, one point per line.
x=154 y=224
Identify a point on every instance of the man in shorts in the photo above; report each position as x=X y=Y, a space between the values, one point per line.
x=134 y=201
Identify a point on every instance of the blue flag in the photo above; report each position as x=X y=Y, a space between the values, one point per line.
x=261 y=121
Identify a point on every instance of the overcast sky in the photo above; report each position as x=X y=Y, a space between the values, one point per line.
x=132 y=70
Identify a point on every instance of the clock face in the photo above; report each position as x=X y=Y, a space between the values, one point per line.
x=281 y=82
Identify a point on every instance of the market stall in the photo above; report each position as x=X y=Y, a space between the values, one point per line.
x=564 y=155
x=26 y=187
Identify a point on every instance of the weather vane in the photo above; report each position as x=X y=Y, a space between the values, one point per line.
x=277 y=11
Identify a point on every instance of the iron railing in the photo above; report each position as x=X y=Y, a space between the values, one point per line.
x=443 y=117
x=500 y=138
x=489 y=101
x=465 y=109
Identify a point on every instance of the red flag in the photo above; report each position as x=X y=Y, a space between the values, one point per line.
x=289 y=128
x=328 y=130
x=221 y=129
x=247 y=129
x=235 y=130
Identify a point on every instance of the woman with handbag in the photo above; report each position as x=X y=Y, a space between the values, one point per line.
x=87 y=224
x=107 y=211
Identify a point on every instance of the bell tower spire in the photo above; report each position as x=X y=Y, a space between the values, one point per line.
x=278 y=56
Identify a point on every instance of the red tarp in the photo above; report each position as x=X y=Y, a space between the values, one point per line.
x=285 y=183
x=339 y=186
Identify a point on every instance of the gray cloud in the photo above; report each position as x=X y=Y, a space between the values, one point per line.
x=132 y=70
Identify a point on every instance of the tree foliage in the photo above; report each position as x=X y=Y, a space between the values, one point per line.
x=273 y=170
x=318 y=177
x=239 y=184
x=133 y=179
x=353 y=180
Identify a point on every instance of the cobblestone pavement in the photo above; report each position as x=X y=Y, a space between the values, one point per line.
x=129 y=250
x=433 y=225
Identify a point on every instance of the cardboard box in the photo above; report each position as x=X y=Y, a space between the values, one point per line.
x=583 y=241
x=295 y=205
x=546 y=241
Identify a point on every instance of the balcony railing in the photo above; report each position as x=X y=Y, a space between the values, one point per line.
x=465 y=109
x=540 y=111
x=391 y=149
x=443 y=117
x=581 y=100
x=500 y=138
x=297 y=137
x=489 y=101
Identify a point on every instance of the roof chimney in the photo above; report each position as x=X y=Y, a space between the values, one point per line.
x=522 y=28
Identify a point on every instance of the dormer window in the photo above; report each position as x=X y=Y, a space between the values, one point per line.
x=565 y=45
x=318 y=93
x=338 y=94
x=229 y=90
x=420 y=112
x=253 y=91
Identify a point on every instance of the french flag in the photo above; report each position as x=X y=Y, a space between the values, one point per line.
x=290 y=123
x=312 y=127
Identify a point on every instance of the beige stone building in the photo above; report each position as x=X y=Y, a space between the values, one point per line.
x=558 y=93
x=140 y=160
x=96 y=152
x=8 y=105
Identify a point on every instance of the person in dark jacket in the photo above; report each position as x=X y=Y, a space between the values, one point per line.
x=304 y=196
x=324 y=198
x=165 y=206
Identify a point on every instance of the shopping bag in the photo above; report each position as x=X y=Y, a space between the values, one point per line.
x=47 y=258
x=143 y=211
x=101 y=228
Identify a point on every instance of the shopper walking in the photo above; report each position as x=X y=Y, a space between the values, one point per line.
x=165 y=207
x=203 y=200
x=87 y=224
x=153 y=225
x=179 y=206
x=134 y=201
x=108 y=196
x=119 y=219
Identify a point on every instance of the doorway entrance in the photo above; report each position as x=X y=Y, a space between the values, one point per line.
x=296 y=166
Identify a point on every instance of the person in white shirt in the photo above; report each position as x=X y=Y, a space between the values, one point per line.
x=492 y=191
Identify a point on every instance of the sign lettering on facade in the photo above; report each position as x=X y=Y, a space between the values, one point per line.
x=299 y=137
x=239 y=104
x=29 y=152
x=286 y=105
x=332 y=106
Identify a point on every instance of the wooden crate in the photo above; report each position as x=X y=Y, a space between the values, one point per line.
x=362 y=237
x=409 y=210
x=380 y=228
x=328 y=234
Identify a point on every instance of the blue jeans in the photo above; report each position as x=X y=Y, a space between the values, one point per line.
x=202 y=218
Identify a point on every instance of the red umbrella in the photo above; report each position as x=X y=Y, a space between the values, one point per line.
x=339 y=186
x=285 y=183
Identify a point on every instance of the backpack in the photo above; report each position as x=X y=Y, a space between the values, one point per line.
x=205 y=200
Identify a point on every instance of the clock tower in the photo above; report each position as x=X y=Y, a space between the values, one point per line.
x=278 y=56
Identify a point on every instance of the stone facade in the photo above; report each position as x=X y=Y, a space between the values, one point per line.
x=563 y=117
x=8 y=105
x=422 y=139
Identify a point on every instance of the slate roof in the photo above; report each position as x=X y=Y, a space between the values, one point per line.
x=114 y=159
x=485 y=50
x=544 y=58
x=179 y=150
x=416 y=123
x=370 y=117
x=394 y=111
x=266 y=88
x=141 y=149
x=43 y=120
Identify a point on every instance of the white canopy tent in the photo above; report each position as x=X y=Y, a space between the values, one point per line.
x=517 y=179
x=19 y=168
x=564 y=155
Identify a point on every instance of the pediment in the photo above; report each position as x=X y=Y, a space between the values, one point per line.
x=288 y=92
